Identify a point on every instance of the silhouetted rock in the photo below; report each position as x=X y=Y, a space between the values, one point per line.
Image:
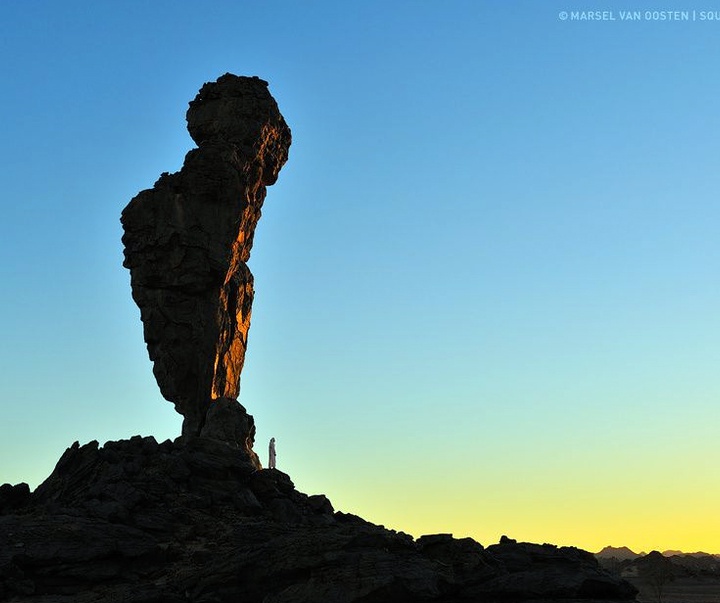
x=226 y=420
x=187 y=241
x=195 y=520
x=551 y=572
x=619 y=553
x=13 y=497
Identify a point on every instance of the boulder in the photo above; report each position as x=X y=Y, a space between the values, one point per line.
x=227 y=421
x=13 y=497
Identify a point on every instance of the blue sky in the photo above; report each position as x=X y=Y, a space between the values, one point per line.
x=486 y=280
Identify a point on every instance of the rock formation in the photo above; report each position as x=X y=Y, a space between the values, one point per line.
x=191 y=520
x=187 y=241
x=197 y=519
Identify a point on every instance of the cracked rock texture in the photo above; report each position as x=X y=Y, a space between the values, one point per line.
x=187 y=241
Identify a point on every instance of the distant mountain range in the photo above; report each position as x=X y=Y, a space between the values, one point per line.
x=624 y=562
x=623 y=553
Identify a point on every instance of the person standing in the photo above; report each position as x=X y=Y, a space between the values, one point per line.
x=271 y=460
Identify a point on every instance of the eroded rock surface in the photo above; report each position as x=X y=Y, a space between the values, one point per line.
x=191 y=520
x=187 y=241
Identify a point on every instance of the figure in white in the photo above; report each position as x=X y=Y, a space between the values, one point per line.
x=271 y=461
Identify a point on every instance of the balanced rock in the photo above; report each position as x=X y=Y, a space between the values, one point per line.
x=187 y=241
x=197 y=519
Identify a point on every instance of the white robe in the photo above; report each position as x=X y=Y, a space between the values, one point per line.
x=271 y=460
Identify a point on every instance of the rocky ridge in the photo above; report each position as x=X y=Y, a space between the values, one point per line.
x=192 y=520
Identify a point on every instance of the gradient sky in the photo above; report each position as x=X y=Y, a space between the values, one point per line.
x=487 y=283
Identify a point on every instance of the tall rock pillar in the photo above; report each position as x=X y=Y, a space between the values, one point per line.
x=187 y=241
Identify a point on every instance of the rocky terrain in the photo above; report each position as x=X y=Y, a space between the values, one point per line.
x=676 y=563
x=193 y=520
x=197 y=519
x=670 y=576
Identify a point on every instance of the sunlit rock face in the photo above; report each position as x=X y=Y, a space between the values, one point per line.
x=187 y=241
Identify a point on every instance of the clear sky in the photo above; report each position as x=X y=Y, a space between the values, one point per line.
x=487 y=283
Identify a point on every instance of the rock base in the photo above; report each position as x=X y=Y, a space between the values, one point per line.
x=195 y=520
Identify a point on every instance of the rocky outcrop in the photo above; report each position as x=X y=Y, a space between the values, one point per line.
x=193 y=520
x=187 y=241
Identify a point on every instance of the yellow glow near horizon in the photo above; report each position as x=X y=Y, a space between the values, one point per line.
x=588 y=528
x=587 y=513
